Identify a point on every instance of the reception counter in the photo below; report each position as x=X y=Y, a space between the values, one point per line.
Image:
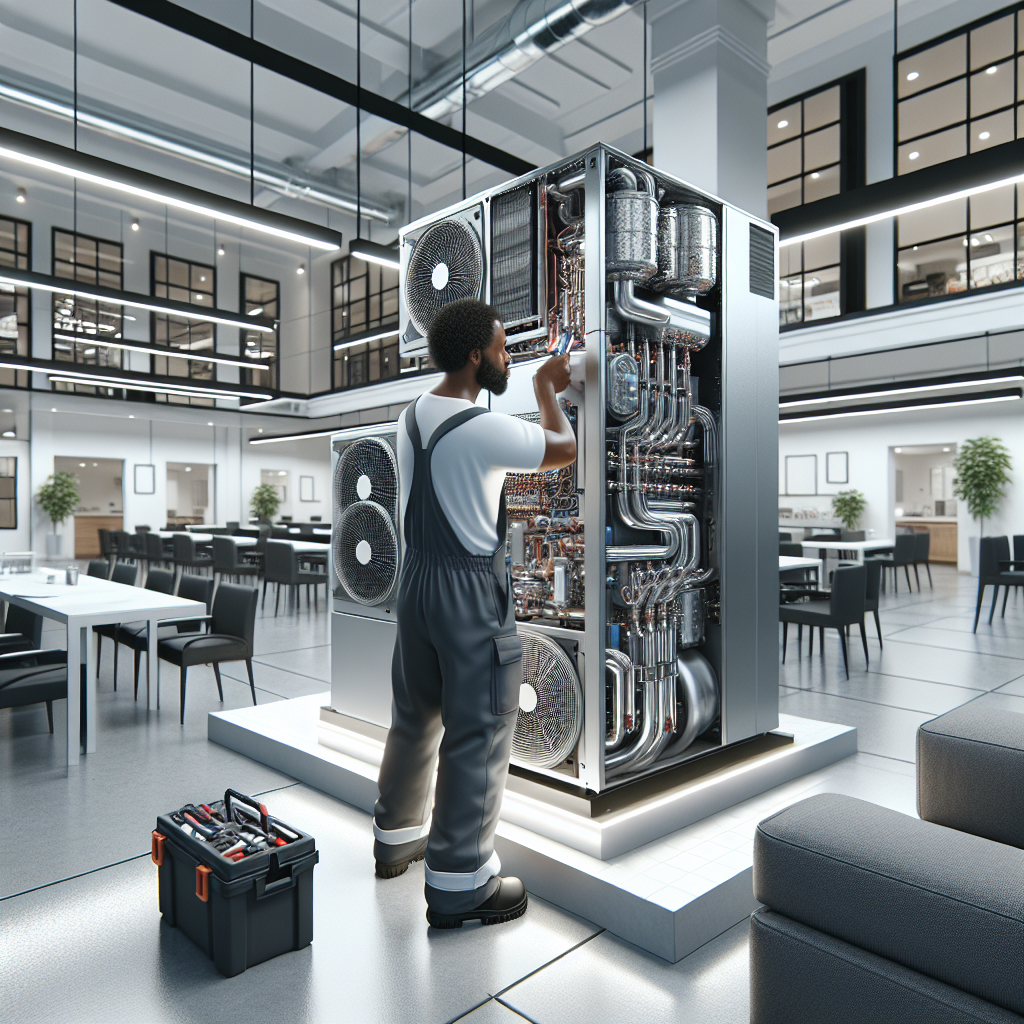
x=943 y=532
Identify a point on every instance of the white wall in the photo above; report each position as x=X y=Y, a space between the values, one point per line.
x=869 y=440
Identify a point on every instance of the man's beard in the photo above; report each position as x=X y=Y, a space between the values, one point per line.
x=490 y=378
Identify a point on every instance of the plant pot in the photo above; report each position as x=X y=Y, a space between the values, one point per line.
x=54 y=545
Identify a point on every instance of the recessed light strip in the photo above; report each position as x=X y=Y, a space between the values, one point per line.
x=91 y=339
x=43 y=282
x=80 y=174
x=364 y=340
x=374 y=252
x=917 y=406
x=901 y=391
x=899 y=211
x=294 y=437
x=107 y=380
x=150 y=389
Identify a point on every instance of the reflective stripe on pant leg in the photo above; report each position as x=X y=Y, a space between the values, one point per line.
x=397 y=836
x=462 y=881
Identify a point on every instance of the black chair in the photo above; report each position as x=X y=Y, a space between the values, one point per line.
x=141 y=530
x=785 y=536
x=134 y=635
x=105 y=544
x=922 y=549
x=873 y=568
x=1018 y=557
x=316 y=519
x=257 y=552
x=124 y=574
x=902 y=554
x=228 y=560
x=282 y=569
x=996 y=569
x=232 y=626
x=98 y=567
x=156 y=554
x=791 y=550
x=23 y=631
x=800 y=576
x=188 y=556
x=33 y=677
x=123 y=547
x=232 y=525
x=845 y=606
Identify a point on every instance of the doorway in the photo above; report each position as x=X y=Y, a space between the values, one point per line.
x=100 y=499
x=190 y=493
x=923 y=499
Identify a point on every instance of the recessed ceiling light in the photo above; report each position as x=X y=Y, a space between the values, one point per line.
x=965 y=242
x=53 y=410
x=259 y=430
x=301 y=269
x=210 y=424
x=82 y=464
x=202 y=277
x=947 y=449
x=22 y=195
x=220 y=250
x=815 y=175
x=256 y=311
x=974 y=241
x=813 y=281
x=9 y=433
x=282 y=472
x=783 y=124
x=131 y=416
x=991 y=71
x=911 y=76
x=984 y=135
x=897 y=450
x=199 y=296
x=135 y=225
x=914 y=155
x=989 y=238
x=188 y=469
x=915 y=248
x=6 y=410
x=95 y=464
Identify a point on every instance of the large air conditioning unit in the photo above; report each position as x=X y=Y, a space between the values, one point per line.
x=644 y=577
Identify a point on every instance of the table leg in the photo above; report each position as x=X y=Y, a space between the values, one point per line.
x=152 y=666
x=821 y=574
x=74 y=693
x=89 y=650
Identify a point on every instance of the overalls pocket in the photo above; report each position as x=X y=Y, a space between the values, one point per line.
x=506 y=673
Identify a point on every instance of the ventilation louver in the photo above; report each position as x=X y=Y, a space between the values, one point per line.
x=447 y=263
x=513 y=256
x=550 y=713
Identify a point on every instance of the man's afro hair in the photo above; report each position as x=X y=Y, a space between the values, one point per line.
x=458 y=328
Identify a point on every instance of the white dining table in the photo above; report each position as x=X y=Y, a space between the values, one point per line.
x=857 y=547
x=792 y=562
x=94 y=602
x=204 y=538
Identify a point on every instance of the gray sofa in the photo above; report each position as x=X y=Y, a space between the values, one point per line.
x=874 y=916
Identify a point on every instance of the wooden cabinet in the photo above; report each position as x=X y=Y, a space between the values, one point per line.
x=87 y=538
x=944 y=536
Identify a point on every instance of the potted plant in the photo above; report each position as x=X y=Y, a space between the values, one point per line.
x=58 y=498
x=264 y=503
x=981 y=466
x=848 y=507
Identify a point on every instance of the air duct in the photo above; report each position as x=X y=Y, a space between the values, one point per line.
x=534 y=29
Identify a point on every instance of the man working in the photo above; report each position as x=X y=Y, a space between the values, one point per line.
x=458 y=660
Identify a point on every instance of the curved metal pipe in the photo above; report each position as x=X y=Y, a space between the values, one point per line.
x=614 y=739
x=679 y=315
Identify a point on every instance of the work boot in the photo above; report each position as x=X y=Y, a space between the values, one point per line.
x=392 y=861
x=506 y=903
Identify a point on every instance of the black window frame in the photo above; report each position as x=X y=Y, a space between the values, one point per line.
x=20 y=259
x=13 y=499
x=250 y=376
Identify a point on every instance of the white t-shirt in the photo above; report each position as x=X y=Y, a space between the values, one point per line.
x=469 y=464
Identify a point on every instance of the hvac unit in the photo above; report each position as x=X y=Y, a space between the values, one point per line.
x=644 y=577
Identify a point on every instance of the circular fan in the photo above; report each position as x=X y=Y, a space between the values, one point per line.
x=446 y=264
x=550 y=704
x=366 y=552
x=367 y=471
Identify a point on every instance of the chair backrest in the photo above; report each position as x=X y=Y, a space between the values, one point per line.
x=124 y=573
x=785 y=536
x=904 y=549
x=184 y=547
x=849 y=592
x=225 y=554
x=261 y=540
x=232 y=525
x=853 y=535
x=141 y=529
x=791 y=550
x=104 y=542
x=922 y=546
x=987 y=558
x=823 y=536
x=196 y=588
x=873 y=569
x=281 y=563
x=154 y=547
x=1018 y=548
x=316 y=519
x=160 y=580
x=306 y=530
x=279 y=532
x=19 y=620
x=98 y=567
x=234 y=612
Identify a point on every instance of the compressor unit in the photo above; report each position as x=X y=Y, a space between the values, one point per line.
x=645 y=576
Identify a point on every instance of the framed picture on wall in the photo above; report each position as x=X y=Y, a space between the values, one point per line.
x=306 y=488
x=145 y=478
x=801 y=474
x=837 y=467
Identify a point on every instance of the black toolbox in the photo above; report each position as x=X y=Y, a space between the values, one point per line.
x=239 y=913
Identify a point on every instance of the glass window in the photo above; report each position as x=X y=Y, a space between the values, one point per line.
x=80 y=325
x=15 y=306
x=262 y=298
x=9 y=493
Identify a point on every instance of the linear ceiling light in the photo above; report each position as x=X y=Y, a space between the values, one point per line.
x=783 y=404
x=180 y=204
x=135 y=383
x=915 y=405
x=900 y=210
x=362 y=341
x=294 y=437
x=90 y=339
x=26 y=279
x=374 y=252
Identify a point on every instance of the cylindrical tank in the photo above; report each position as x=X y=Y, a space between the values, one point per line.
x=687 y=250
x=632 y=227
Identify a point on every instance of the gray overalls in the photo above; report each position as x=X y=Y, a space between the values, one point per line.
x=457 y=665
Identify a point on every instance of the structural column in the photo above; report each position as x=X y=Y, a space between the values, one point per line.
x=710 y=68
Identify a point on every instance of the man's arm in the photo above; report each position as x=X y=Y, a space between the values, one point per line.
x=559 y=441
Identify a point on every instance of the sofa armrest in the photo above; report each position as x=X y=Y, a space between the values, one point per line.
x=970 y=772
x=939 y=901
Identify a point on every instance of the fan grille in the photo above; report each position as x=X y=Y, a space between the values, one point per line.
x=446 y=264
x=546 y=736
x=367 y=471
x=366 y=552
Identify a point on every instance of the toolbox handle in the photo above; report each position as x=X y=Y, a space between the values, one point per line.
x=265 y=888
x=157 y=852
x=233 y=794
x=203 y=882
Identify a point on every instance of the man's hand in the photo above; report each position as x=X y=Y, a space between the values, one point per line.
x=555 y=372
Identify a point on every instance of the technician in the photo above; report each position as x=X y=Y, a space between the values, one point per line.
x=457 y=665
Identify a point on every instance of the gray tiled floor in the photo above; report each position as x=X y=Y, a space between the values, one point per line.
x=83 y=938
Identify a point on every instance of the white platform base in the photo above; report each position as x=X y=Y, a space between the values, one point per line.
x=667 y=874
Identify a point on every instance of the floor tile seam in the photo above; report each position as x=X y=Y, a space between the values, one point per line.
x=512 y=1009
x=537 y=970
x=292 y=650
x=940 y=647
x=879 y=704
x=908 y=679
x=302 y=674
x=80 y=874
x=1016 y=679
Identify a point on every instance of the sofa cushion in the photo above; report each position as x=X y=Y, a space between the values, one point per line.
x=970 y=772
x=942 y=902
